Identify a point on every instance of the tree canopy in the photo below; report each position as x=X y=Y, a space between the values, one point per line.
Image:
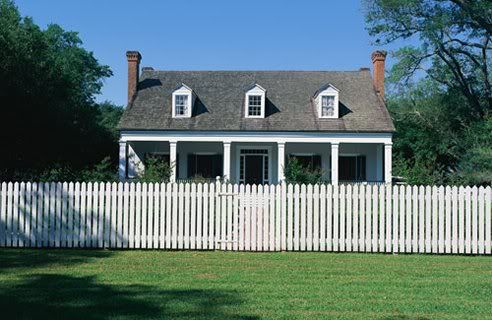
x=48 y=114
x=441 y=97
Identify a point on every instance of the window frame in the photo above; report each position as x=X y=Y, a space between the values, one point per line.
x=256 y=90
x=220 y=164
x=183 y=90
x=358 y=168
x=328 y=91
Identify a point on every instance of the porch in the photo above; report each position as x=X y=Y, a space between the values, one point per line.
x=358 y=158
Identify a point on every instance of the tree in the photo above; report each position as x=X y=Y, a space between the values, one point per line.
x=453 y=43
x=48 y=116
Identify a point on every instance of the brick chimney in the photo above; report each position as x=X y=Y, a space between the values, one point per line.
x=378 y=59
x=133 y=58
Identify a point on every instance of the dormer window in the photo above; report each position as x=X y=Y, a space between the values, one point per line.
x=255 y=102
x=326 y=99
x=327 y=106
x=183 y=98
x=254 y=106
x=181 y=104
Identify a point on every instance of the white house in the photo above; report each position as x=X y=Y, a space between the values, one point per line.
x=245 y=125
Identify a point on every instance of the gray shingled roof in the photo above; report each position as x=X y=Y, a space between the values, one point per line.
x=221 y=94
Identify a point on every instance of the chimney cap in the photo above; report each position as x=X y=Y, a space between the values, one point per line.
x=378 y=55
x=133 y=55
x=364 y=69
x=147 y=69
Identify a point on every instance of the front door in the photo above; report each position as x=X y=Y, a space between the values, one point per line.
x=254 y=166
x=254 y=169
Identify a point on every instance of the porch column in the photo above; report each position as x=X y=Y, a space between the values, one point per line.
x=172 y=160
x=227 y=161
x=387 y=162
x=281 y=161
x=122 y=161
x=334 y=162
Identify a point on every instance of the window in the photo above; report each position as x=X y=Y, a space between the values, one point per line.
x=312 y=162
x=181 y=104
x=255 y=102
x=327 y=101
x=327 y=106
x=254 y=106
x=352 y=168
x=205 y=165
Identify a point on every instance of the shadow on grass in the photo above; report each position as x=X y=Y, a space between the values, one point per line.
x=48 y=296
x=25 y=258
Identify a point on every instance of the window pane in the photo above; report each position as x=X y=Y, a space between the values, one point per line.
x=206 y=166
x=254 y=105
x=181 y=104
x=327 y=106
x=352 y=168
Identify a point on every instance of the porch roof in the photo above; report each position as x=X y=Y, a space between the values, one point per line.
x=289 y=107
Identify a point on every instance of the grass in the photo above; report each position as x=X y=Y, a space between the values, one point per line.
x=81 y=284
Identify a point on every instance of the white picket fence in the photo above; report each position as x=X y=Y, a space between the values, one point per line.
x=211 y=216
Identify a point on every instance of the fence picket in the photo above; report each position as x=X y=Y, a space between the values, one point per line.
x=187 y=218
x=329 y=217
x=488 y=220
x=303 y=218
x=401 y=220
x=468 y=220
x=441 y=220
x=454 y=227
x=266 y=215
x=336 y=201
x=199 y=215
x=408 y=218
x=149 y=217
x=259 y=218
x=235 y=218
x=362 y=220
x=316 y=235
x=481 y=221
x=322 y=222
x=447 y=221
x=368 y=223
x=297 y=242
x=169 y=204
x=193 y=196
x=375 y=210
x=107 y=215
x=309 y=217
x=474 y=223
x=348 y=199
x=3 y=214
x=356 y=218
x=341 y=221
x=461 y=234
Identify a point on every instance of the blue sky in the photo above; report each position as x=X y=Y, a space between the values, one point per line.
x=213 y=34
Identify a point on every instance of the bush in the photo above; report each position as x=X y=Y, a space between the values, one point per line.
x=156 y=170
x=295 y=172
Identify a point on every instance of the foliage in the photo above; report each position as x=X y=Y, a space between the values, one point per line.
x=156 y=170
x=49 y=122
x=295 y=172
x=453 y=43
x=475 y=167
x=441 y=94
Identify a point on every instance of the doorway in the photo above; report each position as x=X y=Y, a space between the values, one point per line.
x=254 y=166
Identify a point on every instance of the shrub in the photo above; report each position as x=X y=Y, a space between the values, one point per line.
x=295 y=172
x=156 y=170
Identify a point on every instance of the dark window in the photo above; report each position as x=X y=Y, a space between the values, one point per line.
x=313 y=162
x=204 y=165
x=352 y=168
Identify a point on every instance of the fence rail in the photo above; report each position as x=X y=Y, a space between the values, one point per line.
x=211 y=216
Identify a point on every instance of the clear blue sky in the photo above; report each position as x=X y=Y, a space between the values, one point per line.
x=213 y=34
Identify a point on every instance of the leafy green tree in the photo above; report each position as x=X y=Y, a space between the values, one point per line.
x=453 y=43
x=49 y=119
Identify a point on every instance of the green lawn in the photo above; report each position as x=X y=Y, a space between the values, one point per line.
x=227 y=285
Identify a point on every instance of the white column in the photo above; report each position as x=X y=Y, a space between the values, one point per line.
x=122 y=161
x=227 y=161
x=388 y=155
x=334 y=162
x=172 y=160
x=281 y=161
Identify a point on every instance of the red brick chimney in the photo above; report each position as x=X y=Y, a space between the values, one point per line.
x=378 y=59
x=133 y=58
